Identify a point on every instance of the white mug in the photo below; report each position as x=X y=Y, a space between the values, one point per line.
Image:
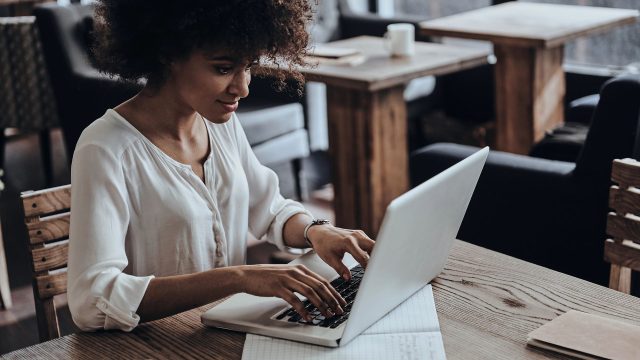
x=400 y=39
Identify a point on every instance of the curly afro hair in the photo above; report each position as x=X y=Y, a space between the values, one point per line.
x=139 y=39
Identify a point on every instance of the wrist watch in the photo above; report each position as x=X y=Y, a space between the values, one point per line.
x=309 y=225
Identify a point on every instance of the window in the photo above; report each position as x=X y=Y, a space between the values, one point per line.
x=432 y=9
x=616 y=48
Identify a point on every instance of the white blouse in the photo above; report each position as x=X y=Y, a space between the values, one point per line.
x=137 y=213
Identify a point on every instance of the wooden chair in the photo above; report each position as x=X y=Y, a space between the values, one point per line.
x=46 y=214
x=623 y=224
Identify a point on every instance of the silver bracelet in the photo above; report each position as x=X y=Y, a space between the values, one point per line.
x=309 y=225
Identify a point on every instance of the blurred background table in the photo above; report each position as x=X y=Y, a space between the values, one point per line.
x=528 y=40
x=19 y=7
x=368 y=122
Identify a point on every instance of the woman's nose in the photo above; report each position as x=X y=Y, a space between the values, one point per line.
x=240 y=84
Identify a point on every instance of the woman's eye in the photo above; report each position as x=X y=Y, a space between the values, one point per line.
x=223 y=70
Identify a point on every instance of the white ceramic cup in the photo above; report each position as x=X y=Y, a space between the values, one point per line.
x=400 y=39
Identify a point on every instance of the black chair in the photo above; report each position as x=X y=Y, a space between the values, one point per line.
x=274 y=125
x=552 y=213
x=82 y=93
x=565 y=142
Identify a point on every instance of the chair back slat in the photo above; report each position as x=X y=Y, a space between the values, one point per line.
x=624 y=202
x=625 y=172
x=54 y=227
x=46 y=216
x=52 y=285
x=623 y=228
x=48 y=201
x=50 y=257
x=622 y=250
x=622 y=255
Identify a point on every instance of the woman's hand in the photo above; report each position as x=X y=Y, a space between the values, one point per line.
x=331 y=243
x=283 y=280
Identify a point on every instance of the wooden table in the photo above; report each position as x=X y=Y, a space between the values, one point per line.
x=21 y=7
x=528 y=41
x=487 y=303
x=368 y=122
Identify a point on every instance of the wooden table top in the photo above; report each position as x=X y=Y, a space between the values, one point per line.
x=487 y=303
x=529 y=24
x=14 y=2
x=379 y=70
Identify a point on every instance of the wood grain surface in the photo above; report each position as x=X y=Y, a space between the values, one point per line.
x=55 y=227
x=528 y=41
x=367 y=122
x=380 y=70
x=52 y=285
x=43 y=202
x=623 y=228
x=530 y=88
x=529 y=24
x=368 y=142
x=50 y=257
x=46 y=216
x=626 y=172
x=487 y=303
x=622 y=254
x=624 y=201
x=623 y=249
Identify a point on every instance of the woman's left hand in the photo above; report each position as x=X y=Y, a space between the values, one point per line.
x=331 y=243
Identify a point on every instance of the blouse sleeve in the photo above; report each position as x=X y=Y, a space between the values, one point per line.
x=100 y=295
x=268 y=210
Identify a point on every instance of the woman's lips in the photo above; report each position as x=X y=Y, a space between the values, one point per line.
x=229 y=107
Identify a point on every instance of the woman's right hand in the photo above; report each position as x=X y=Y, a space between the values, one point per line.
x=284 y=280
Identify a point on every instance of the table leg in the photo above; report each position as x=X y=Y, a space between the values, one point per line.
x=530 y=89
x=368 y=145
x=5 y=291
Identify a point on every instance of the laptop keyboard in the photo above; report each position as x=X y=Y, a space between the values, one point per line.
x=347 y=290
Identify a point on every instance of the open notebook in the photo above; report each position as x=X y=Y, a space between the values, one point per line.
x=331 y=52
x=410 y=331
x=330 y=55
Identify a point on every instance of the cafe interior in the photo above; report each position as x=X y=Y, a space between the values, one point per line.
x=552 y=87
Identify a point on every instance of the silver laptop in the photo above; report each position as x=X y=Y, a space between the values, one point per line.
x=411 y=249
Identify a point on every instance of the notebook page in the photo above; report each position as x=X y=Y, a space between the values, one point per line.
x=416 y=314
x=404 y=346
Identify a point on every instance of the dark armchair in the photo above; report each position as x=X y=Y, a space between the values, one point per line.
x=566 y=141
x=274 y=125
x=82 y=93
x=552 y=213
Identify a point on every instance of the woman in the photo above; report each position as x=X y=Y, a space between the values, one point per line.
x=165 y=185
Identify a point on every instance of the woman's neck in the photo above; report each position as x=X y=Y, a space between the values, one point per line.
x=160 y=113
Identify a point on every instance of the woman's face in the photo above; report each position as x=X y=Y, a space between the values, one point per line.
x=211 y=83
